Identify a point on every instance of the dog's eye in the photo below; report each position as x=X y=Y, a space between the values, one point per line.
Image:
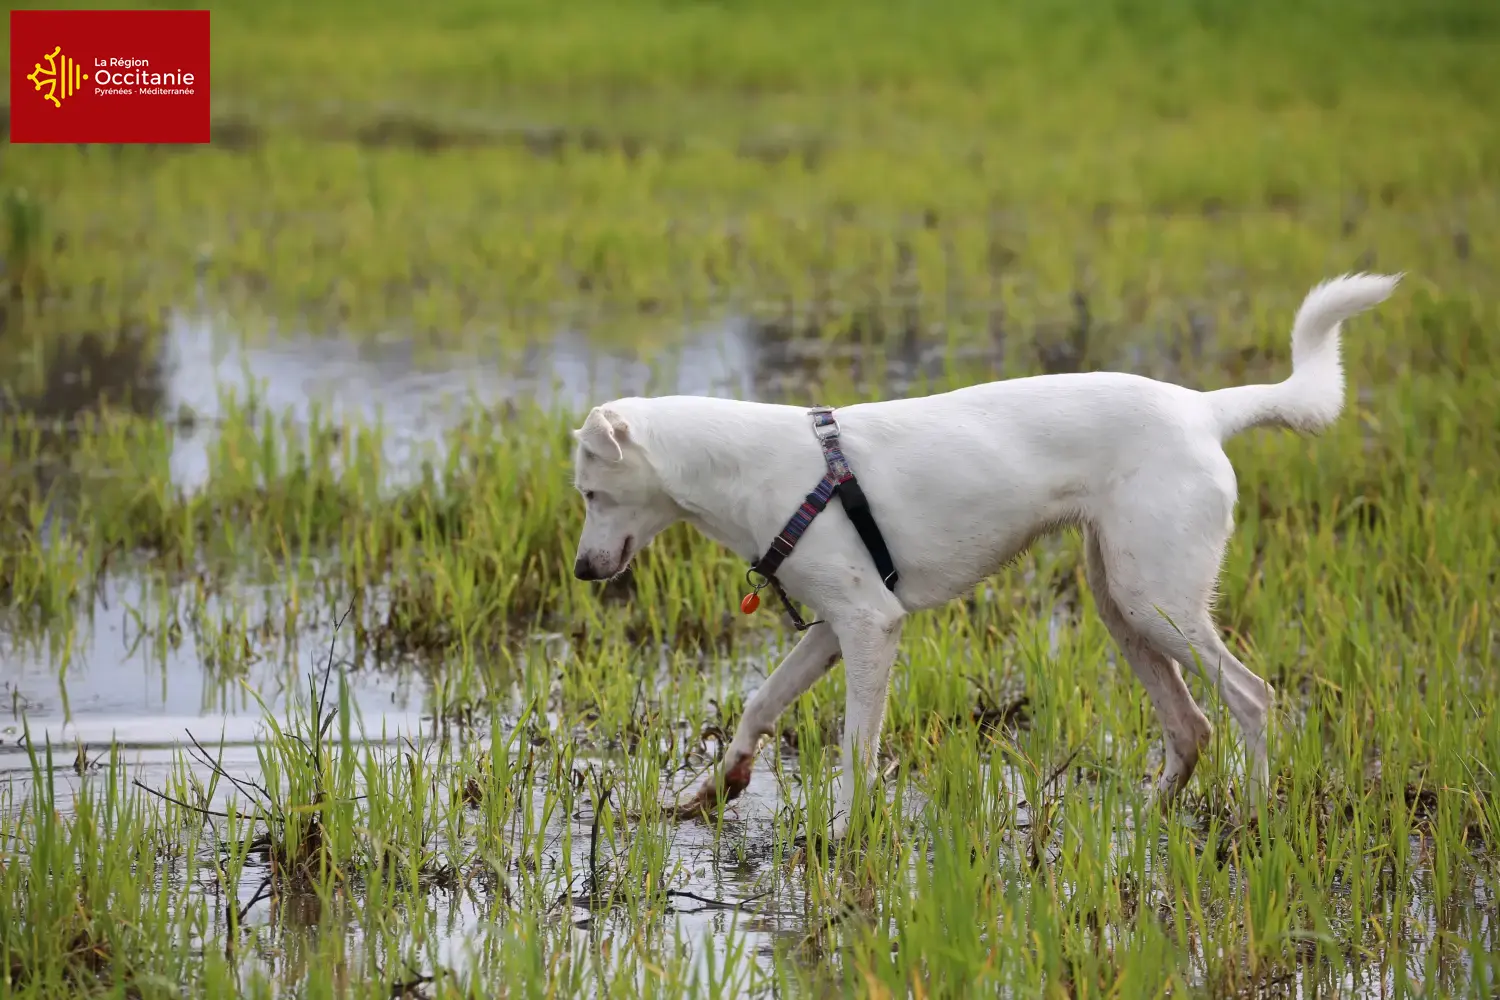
x=588 y=495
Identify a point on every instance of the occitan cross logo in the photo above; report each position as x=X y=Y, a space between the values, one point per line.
x=61 y=79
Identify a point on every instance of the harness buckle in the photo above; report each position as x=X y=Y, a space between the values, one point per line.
x=824 y=430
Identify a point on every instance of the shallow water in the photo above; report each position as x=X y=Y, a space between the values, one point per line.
x=118 y=677
x=125 y=678
x=109 y=688
x=416 y=397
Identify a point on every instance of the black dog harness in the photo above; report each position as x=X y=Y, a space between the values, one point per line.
x=838 y=480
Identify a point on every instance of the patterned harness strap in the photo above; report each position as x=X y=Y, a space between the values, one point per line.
x=839 y=479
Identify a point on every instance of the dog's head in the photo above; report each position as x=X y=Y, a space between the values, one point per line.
x=625 y=503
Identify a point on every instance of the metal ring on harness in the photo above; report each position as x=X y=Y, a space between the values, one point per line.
x=751 y=601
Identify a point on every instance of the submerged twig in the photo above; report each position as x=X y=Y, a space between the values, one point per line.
x=214 y=765
x=137 y=782
x=715 y=904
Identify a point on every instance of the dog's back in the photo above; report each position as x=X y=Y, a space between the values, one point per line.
x=973 y=475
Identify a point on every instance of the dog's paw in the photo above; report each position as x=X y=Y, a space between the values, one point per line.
x=715 y=793
x=702 y=804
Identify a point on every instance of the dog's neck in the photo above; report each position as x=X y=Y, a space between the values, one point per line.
x=733 y=468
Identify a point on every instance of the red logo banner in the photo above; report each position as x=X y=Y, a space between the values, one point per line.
x=109 y=76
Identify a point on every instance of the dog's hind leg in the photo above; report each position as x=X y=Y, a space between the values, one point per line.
x=1163 y=559
x=1185 y=729
x=870 y=641
x=813 y=656
x=1247 y=696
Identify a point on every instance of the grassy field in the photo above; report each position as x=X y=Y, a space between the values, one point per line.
x=304 y=700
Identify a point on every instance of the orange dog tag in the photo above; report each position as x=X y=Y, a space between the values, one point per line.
x=750 y=603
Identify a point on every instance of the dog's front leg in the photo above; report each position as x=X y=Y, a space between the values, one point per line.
x=813 y=656
x=870 y=647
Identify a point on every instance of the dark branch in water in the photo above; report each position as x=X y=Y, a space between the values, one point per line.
x=263 y=892
x=401 y=989
x=235 y=917
x=1057 y=772
x=591 y=898
x=177 y=802
x=328 y=671
x=214 y=766
x=715 y=904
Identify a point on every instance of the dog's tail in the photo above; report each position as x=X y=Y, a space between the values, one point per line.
x=1312 y=397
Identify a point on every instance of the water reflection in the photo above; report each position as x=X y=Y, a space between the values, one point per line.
x=417 y=396
x=192 y=370
x=59 y=379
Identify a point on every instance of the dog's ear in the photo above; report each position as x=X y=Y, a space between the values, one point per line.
x=604 y=433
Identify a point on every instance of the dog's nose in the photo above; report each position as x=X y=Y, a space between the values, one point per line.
x=582 y=570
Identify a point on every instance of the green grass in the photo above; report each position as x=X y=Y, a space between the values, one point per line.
x=1019 y=187
x=479 y=169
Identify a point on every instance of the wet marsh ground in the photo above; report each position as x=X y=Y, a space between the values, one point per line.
x=301 y=698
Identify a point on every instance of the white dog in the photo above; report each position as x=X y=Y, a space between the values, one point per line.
x=960 y=483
